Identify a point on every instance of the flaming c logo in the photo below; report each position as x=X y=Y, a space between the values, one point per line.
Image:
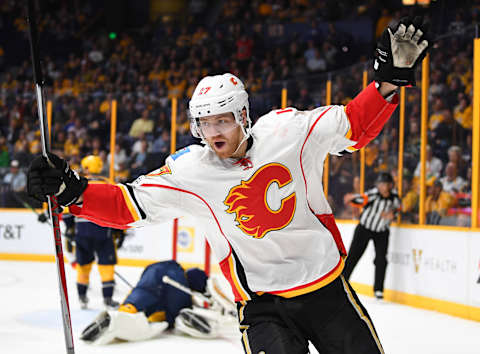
x=249 y=202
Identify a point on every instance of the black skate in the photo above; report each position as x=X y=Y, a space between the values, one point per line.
x=110 y=304
x=83 y=302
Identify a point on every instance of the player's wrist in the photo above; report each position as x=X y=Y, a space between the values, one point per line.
x=386 y=89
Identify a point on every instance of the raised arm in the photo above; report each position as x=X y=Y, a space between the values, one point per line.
x=398 y=53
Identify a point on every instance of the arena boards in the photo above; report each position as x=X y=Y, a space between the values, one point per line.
x=435 y=268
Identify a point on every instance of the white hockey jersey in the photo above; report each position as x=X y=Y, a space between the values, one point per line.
x=265 y=216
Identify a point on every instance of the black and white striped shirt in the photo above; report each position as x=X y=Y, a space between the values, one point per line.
x=373 y=206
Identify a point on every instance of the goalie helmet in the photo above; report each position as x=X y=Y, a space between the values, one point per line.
x=197 y=279
x=93 y=164
x=216 y=95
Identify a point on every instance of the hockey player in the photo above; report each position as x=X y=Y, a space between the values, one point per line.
x=380 y=206
x=258 y=194
x=92 y=240
x=153 y=306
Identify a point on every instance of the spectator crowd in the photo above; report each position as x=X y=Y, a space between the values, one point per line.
x=144 y=69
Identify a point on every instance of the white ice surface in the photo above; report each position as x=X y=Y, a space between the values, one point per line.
x=30 y=320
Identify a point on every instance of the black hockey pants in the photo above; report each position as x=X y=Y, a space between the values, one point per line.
x=332 y=318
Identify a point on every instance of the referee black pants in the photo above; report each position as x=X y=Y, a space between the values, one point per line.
x=361 y=237
x=332 y=318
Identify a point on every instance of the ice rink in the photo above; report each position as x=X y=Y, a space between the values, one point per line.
x=30 y=320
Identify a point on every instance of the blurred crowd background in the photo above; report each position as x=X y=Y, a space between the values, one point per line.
x=144 y=53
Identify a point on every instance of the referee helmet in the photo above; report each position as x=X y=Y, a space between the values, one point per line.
x=384 y=177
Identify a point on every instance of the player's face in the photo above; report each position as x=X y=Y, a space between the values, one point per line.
x=222 y=133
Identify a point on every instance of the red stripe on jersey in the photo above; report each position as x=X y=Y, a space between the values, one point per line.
x=195 y=195
x=284 y=111
x=368 y=112
x=229 y=274
x=328 y=221
x=303 y=146
x=105 y=205
x=227 y=270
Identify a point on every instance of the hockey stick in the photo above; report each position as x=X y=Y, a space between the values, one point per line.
x=199 y=298
x=123 y=279
x=24 y=203
x=28 y=206
x=217 y=295
x=52 y=200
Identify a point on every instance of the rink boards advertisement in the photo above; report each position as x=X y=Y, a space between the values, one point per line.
x=21 y=236
x=429 y=267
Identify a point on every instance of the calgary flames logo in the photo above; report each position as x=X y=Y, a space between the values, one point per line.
x=249 y=202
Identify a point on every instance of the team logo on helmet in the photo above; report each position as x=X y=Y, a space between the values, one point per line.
x=248 y=201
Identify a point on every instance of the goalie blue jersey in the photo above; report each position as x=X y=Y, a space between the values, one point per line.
x=151 y=295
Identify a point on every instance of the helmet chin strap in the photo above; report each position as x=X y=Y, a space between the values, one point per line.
x=246 y=134
x=245 y=137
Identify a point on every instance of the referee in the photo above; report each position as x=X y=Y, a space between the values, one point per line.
x=380 y=206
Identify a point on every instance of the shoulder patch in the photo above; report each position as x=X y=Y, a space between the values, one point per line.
x=164 y=170
x=180 y=153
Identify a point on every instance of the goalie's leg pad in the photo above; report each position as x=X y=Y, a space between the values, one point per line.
x=222 y=300
x=95 y=329
x=195 y=324
x=123 y=326
x=133 y=327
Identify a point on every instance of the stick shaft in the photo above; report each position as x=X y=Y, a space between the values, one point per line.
x=52 y=200
x=167 y=280
x=24 y=203
x=123 y=279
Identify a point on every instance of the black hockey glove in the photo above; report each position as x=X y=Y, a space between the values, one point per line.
x=399 y=51
x=43 y=217
x=59 y=180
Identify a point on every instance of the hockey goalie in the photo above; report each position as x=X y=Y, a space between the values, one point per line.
x=166 y=297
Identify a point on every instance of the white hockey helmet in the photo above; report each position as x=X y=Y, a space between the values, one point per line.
x=216 y=95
